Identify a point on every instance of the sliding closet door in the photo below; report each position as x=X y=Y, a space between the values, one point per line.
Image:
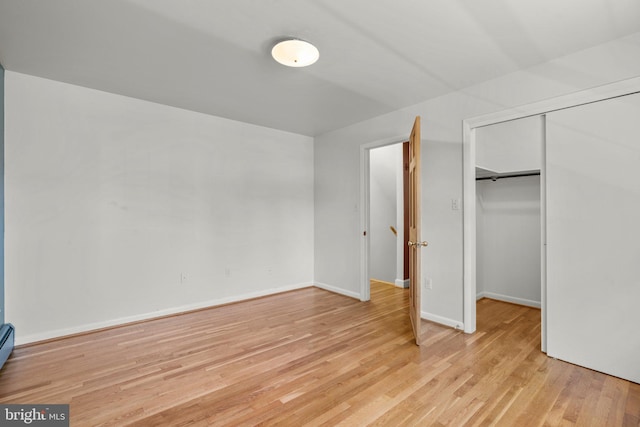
x=593 y=236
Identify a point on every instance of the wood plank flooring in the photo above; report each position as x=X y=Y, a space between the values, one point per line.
x=310 y=357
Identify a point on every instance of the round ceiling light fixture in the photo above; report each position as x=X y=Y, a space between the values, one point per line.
x=295 y=53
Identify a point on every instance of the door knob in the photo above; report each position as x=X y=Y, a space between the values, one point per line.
x=415 y=244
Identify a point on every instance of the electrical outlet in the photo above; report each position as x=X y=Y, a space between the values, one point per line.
x=183 y=277
x=455 y=204
x=428 y=283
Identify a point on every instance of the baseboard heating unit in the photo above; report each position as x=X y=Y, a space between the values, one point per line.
x=7 y=339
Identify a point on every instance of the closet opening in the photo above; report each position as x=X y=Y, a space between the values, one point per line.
x=509 y=206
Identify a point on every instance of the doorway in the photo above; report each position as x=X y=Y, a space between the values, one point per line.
x=414 y=181
x=508 y=211
x=387 y=211
x=508 y=216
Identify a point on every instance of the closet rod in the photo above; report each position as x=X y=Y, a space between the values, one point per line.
x=513 y=175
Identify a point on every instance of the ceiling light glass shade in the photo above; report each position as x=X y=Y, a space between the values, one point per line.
x=295 y=53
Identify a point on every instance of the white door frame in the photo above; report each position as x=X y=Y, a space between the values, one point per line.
x=365 y=207
x=612 y=90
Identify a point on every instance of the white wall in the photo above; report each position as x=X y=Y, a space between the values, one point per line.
x=384 y=164
x=593 y=208
x=401 y=243
x=512 y=146
x=480 y=237
x=337 y=172
x=111 y=199
x=508 y=240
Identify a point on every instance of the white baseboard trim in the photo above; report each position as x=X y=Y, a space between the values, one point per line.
x=480 y=295
x=373 y=279
x=336 y=290
x=402 y=283
x=58 y=333
x=514 y=300
x=442 y=320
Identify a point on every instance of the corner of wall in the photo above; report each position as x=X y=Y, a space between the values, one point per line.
x=442 y=320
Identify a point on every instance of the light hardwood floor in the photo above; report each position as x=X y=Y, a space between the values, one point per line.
x=310 y=357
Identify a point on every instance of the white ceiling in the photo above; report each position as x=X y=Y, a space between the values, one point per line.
x=213 y=56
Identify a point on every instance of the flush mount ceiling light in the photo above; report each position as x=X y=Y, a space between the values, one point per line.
x=295 y=53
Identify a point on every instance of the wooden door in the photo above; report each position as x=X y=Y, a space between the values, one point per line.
x=414 y=229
